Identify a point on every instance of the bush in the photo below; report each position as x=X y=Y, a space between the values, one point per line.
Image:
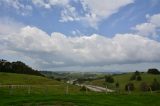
x=133 y=77
x=80 y=80
x=129 y=87
x=138 y=78
x=83 y=88
x=109 y=79
x=153 y=71
x=137 y=73
x=155 y=85
x=144 y=86
x=117 y=85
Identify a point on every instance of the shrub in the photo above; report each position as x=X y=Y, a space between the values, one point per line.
x=155 y=85
x=83 y=88
x=117 y=85
x=144 y=86
x=133 y=77
x=109 y=79
x=137 y=73
x=138 y=78
x=129 y=87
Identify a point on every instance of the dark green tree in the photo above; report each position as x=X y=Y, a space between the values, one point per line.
x=144 y=87
x=155 y=85
x=129 y=87
x=17 y=67
x=138 y=78
x=117 y=85
x=153 y=71
x=133 y=77
x=109 y=79
x=137 y=73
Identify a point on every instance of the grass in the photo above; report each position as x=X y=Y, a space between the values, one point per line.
x=36 y=84
x=123 y=79
x=80 y=100
x=21 y=79
x=47 y=92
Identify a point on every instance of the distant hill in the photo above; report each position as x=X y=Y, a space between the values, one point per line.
x=17 y=67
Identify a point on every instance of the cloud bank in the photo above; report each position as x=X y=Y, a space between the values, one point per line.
x=58 y=50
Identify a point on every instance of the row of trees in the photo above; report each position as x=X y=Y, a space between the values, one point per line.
x=17 y=67
x=155 y=85
x=153 y=71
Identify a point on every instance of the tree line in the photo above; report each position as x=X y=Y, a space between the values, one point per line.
x=136 y=76
x=17 y=67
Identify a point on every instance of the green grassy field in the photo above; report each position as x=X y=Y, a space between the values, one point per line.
x=41 y=91
x=123 y=79
x=12 y=78
x=36 y=84
x=80 y=100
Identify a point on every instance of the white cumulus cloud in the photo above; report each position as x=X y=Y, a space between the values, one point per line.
x=149 y=28
x=58 y=50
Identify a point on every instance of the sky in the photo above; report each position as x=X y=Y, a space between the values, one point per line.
x=81 y=35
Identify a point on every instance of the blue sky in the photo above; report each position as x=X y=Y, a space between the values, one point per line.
x=48 y=19
x=81 y=25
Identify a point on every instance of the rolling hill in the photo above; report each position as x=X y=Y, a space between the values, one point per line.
x=41 y=91
x=123 y=79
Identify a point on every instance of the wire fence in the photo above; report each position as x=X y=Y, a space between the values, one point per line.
x=38 y=89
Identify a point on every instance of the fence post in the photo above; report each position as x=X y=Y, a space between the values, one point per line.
x=129 y=89
x=150 y=89
x=106 y=89
x=67 y=89
x=46 y=90
x=86 y=89
x=29 y=89
x=11 y=89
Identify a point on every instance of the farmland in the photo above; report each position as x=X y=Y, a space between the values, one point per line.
x=37 y=90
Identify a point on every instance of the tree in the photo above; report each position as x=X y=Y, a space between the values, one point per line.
x=80 y=80
x=109 y=79
x=138 y=78
x=137 y=73
x=117 y=85
x=17 y=67
x=133 y=77
x=129 y=87
x=83 y=88
x=153 y=71
x=155 y=85
x=144 y=86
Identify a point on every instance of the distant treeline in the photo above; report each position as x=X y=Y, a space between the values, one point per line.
x=17 y=67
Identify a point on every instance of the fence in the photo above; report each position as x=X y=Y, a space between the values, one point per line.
x=37 y=89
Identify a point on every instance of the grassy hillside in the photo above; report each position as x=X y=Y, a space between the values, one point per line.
x=123 y=79
x=36 y=84
x=23 y=79
x=41 y=91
